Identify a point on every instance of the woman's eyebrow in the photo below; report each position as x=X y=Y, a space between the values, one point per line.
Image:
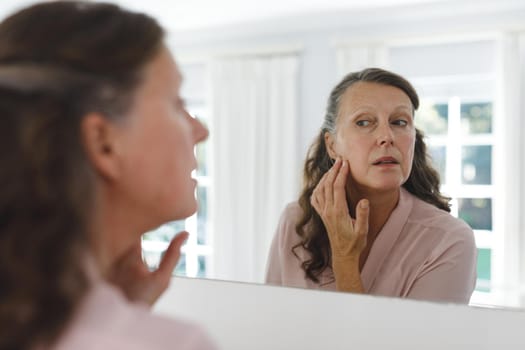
x=404 y=107
x=360 y=110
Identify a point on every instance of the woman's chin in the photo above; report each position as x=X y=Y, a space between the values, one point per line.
x=190 y=207
x=381 y=188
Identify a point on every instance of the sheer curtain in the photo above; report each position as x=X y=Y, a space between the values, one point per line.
x=254 y=108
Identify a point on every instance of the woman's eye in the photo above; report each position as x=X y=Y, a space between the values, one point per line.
x=363 y=123
x=179 y=103
x=179 y=106
x=400 y=122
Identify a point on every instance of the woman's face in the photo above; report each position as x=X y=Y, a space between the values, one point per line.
x=375 y=132
x=157 y=143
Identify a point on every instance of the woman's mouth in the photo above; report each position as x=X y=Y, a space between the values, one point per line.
x=385 y=161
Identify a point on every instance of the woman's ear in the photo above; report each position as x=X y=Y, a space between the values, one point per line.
x=329 y=141
x=100 y=138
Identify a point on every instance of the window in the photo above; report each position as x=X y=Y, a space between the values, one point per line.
x=464 y=161
x=195 y=260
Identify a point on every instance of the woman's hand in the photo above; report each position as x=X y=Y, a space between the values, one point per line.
x=134 y=278
x=347 y=236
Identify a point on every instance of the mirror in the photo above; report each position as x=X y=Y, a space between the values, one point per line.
x=464 y=67
x=465 y=61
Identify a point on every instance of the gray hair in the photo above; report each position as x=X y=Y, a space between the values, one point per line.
x=371 y=75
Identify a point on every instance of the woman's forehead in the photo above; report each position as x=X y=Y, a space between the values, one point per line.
x=371 y=90
x=371 y=96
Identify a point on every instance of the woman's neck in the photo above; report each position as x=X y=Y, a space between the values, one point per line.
x=113 y=231
x=382 y=204
x=381 y=207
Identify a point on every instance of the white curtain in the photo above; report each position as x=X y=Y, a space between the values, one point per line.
x=254 y=147
x=521 y=65
x=511 y=110
x=355 y=57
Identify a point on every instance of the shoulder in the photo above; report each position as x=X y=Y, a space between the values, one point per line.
x=292 y=211
x=426 y=218
x=286 y=229
x=148 y=332
x=108 y=317
x=168 y=333
x=433 y=238
x=286 y=237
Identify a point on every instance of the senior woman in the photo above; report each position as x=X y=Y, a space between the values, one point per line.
x=97 y=148
x=371 y=218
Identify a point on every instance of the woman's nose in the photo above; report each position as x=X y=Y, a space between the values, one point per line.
x=200 y=131
x=385 y=136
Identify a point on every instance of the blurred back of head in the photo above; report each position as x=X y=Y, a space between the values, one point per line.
x=58 y=62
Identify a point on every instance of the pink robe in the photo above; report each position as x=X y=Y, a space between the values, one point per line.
x=422 y=252
x=106 y=320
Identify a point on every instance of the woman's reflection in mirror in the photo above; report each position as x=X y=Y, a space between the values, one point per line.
x=374 y=221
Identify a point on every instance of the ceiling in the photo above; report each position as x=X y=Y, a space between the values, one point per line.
x=199 y=14
x=179 y=15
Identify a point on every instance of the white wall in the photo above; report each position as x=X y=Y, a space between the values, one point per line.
x=9 y=7
x=248 y=316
